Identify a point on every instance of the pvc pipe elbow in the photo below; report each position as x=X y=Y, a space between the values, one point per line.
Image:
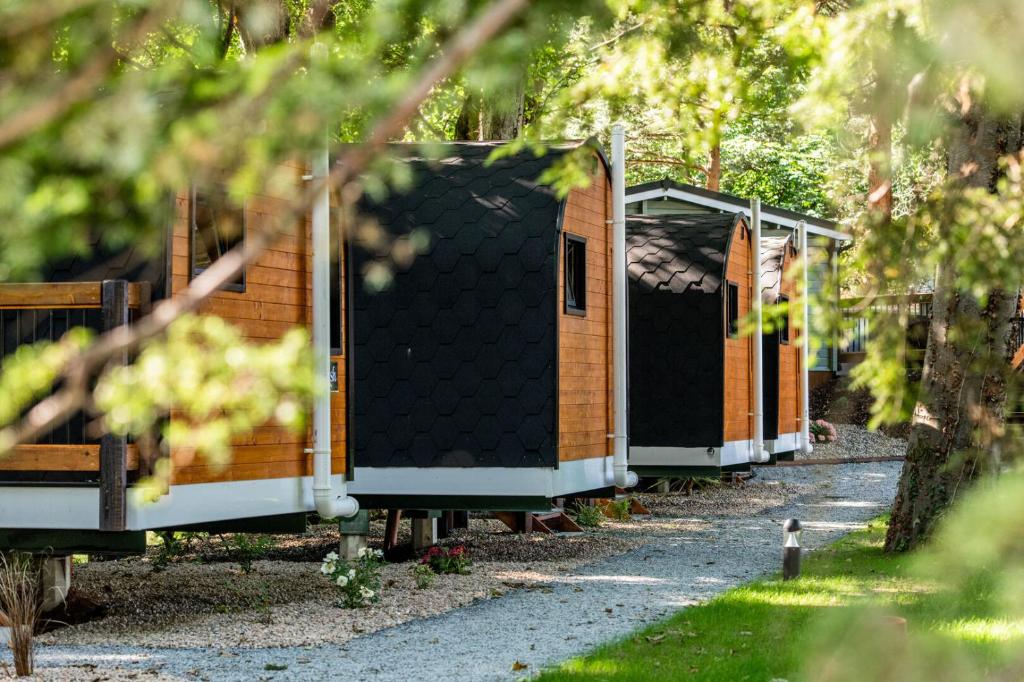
x=625 y=478
x=330 y=505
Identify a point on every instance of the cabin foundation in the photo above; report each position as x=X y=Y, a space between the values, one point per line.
x=353 y=535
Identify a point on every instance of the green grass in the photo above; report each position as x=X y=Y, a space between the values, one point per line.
x=830 y=624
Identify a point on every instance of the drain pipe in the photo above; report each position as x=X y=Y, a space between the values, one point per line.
x=331 y=502
x=805 y=352
x=620 y=461
x=759 y=454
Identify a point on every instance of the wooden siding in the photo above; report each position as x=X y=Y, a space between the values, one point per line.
x=789 y=355
x=738 y=393
x=277 y=297
x=585 y=387
x=60 y=458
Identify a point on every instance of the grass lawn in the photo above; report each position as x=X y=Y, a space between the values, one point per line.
x=770 y=630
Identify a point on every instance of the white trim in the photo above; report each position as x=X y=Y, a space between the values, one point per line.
x=570 y=477
x=206 y=502
x=45 y=507
x=730 y=207
x=77 y=508
x=786 y=442
x=730 y=454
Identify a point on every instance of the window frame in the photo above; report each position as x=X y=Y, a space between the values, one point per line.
x=732 y=312
x=577 y=307
x=784 y=328
x=238 y=285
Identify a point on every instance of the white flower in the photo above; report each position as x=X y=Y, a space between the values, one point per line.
x=365 y=593
x=341 y=581
x=378 y=553
x=351 y=574
x=362 y=552
x=325 y=569
x=333 y=556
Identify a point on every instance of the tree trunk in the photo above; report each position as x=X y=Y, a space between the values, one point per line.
x=962 y=397
x=715 y=168
x=492 y=118
x=880 y=169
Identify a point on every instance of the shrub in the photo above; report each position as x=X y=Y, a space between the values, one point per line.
x=620 y=510
x=587 y=515
x=424 y=576
x=823 y=431
x=455 y=560
x=21 y=605
x=246 y=549
x=357 y=581
x=173 y=546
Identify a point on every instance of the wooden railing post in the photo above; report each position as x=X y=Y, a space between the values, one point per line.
x=114 y=449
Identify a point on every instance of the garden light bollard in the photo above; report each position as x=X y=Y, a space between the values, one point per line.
x=791 y=530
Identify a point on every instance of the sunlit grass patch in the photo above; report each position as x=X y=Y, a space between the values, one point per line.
x=851 y=597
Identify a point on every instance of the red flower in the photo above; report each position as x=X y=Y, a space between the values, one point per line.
x=457 y=551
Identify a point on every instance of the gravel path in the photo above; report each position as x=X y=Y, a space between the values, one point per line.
x=534 y=627
x=857 y=441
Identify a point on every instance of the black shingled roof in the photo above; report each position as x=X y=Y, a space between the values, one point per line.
x=676 y=266
x=455 y=363
x=679 y=253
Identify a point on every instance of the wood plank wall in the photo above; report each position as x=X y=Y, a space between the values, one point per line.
x=789 y=355
x=585 y=388
x=277 y=296
x=738 y=393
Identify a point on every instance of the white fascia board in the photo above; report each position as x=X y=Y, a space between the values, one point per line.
x=570 y=477
x=728 y=207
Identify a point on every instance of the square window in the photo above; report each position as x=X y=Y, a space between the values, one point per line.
x=217 y=227
x=784 y=321
x=575 y=274
x=732 y=302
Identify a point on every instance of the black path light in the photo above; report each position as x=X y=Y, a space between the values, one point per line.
x=791 y=531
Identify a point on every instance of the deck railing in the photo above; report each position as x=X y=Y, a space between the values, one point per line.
x=30 y=313
x=856 y=312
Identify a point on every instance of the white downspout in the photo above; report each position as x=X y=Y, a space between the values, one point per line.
x=620 y=460
x=330 y=502
x=759 y=454
x=805 y=352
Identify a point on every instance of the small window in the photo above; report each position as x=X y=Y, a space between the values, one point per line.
x=784 y=321
x=575 y=274
x=217 y=227
x=732 y=303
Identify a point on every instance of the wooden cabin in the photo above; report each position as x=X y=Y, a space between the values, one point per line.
x=70 y=481
x=481 y=370
x=480 y=376
x=782 y=354
x=690 y=382
x=825 y=240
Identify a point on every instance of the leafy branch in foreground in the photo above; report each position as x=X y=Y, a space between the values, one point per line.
x=416 y=87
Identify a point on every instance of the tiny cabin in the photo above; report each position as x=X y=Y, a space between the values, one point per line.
x=781 y=352
x=825 y=241
x=690 y=389
x=477 y=374
x=70 y=491
x=481 y=370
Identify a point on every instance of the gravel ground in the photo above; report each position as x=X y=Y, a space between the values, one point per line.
x=857 y=441
x=682 y=561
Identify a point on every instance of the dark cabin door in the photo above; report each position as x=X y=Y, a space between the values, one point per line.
x=770 y=379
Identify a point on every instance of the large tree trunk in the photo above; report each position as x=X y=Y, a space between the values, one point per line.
x=492 y=117
x=962 y=385
x=715 y=168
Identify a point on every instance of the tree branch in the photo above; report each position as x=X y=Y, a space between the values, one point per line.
x=80 y=87
x=72 y=397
